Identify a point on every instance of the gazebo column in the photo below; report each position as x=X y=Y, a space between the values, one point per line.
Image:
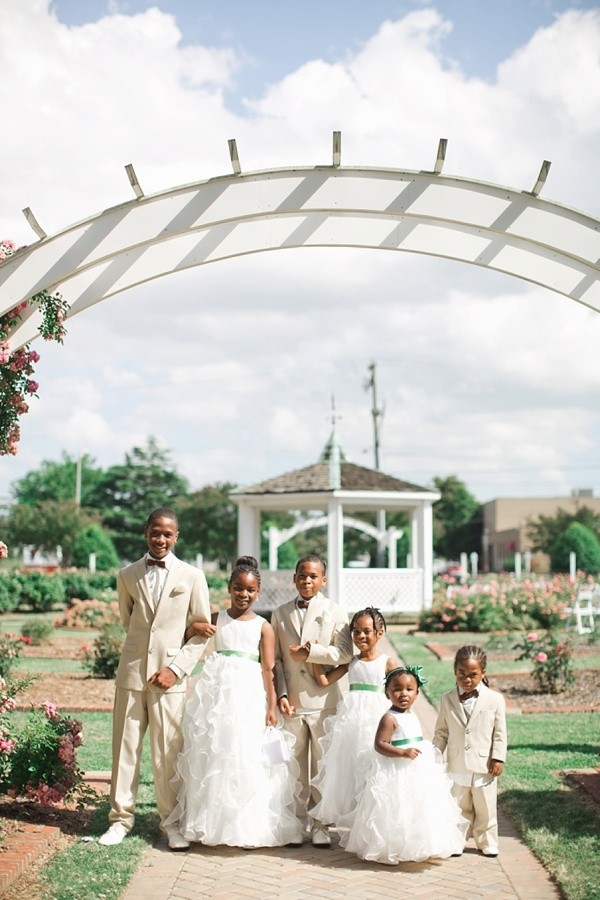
x=423 y=558
x=335 y=550
x=249 y=530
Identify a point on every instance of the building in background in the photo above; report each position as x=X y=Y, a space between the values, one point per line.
x=506 y=521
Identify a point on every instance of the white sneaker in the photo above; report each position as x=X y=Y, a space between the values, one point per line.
x=177 y=841
x=490 y=851
x=114 y=835
x=320 y=838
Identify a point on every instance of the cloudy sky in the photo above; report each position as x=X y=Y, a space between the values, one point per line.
x=232 y=366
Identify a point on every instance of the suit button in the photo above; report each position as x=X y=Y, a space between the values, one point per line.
x=467 y=747
x=303 y=671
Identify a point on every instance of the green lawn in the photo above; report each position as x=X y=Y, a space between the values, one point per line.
x=37 y=664
x=558 y=823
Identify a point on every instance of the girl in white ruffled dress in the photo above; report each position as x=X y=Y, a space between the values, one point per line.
x=348 y=740
x=406 y=811
x=230 y=793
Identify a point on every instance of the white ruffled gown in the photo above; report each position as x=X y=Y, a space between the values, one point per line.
x=347 y=744
x=229 y=792
x=406 y=811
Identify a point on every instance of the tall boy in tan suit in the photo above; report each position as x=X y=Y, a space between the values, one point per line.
x=309 y=629
x=159 y=596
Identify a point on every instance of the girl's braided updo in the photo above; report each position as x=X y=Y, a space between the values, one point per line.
x=244 y=564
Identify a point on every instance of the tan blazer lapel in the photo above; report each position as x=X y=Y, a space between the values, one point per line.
x=141 y=578
x=482 y=701
x=315 y=608
x=458 y=707
x=295 y=618
x=170 y=580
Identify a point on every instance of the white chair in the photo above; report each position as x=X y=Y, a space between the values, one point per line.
x=583 y=609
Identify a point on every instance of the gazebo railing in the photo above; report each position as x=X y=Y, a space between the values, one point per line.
x=390 y=590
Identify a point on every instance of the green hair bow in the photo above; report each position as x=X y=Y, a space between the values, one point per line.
x=415 y=671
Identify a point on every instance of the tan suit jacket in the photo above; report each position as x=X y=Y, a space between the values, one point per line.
x=326 y=627
x=472 y=742
x=156 y=632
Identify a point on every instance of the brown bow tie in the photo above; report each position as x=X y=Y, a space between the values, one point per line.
x=468 y=695
x=156 y=562
x=303 y=604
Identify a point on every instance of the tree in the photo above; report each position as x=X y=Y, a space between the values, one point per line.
x=48 y=525
x=208 y=523
x=95 y=539
x=545 y=531
x=128 y=493
x=579 y=540
x=456 y=519
x=57 y=481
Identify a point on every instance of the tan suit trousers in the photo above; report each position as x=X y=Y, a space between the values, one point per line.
x=307 y=728
x=134 y=713
x=479 y=807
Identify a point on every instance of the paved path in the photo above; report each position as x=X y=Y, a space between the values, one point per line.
x=300 y=873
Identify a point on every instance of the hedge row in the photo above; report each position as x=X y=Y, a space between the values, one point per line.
x=42 y=592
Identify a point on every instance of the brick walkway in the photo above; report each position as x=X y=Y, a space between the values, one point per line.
x=299 y=873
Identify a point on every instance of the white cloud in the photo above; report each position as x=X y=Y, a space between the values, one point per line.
x=481 y=375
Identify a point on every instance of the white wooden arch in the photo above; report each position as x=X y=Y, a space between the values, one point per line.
x=426 y=212
x=276 y=536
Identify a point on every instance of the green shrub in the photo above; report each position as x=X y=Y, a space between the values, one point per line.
x=86 y=585
x=37 y=630
x=103 y=657
x=41 y=591
x=579 y=540
x=10 y=650
x=217 y=581
x=94 y=539
x=10 y=592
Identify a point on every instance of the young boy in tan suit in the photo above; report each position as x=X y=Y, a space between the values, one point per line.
x=308 y=629
x=159 y=596
x=471 y=726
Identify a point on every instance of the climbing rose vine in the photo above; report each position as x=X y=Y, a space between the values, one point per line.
x=17 y=367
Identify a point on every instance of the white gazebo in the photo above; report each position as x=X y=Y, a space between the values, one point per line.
x=337 y=487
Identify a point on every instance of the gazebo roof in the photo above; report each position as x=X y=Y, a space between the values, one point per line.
x=331 y=473
x=315 y=478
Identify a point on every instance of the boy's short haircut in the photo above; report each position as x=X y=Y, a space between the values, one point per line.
x=314 y=558
x=163 y=512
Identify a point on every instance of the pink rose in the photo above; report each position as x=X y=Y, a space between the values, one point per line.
x=532 y=636
x=541 y=657
x=49 y=708
x=31 y=386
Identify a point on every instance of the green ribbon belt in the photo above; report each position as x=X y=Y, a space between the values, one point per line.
x=406 y=741
x=367 y=687
x=253 y=656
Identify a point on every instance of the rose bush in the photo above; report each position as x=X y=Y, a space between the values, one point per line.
x=552 y=660
x=16 y=367
x=498 y=603
x=38 y=757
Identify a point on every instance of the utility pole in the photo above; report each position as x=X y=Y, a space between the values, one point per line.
x=377 y=416
x=376 y=412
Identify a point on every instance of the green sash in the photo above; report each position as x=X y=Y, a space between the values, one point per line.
x=405 y=741
x=253 y=656
x=368 y=687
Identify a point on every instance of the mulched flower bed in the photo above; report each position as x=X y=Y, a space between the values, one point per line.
x=521 y=691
